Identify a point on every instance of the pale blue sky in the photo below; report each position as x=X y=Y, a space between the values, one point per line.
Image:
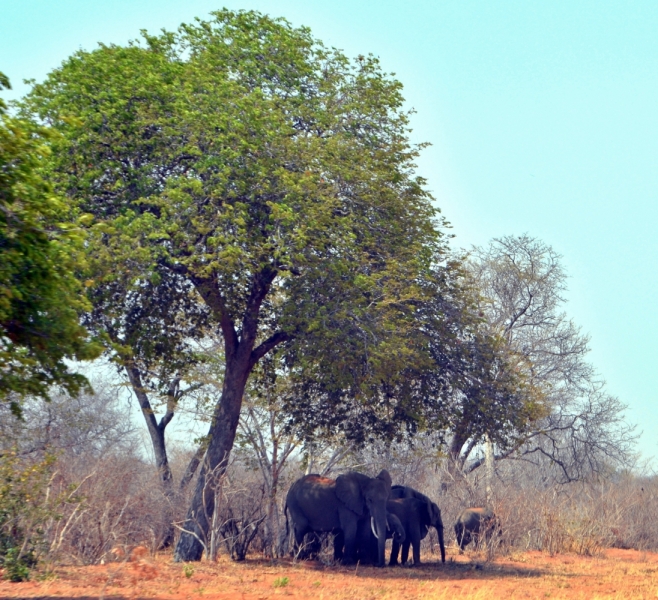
x=543 y=119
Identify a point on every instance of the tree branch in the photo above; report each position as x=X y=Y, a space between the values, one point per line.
x=272 y=342
x=260 y=287
x=209 y=291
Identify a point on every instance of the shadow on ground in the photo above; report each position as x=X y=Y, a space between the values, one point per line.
x=427 y=571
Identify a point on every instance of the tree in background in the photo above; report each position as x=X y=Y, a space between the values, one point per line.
x=462 y=384
x=152 y=334
x=87 y=425
x=40 y=297
x=583 y=431
x=44 y=458
x=240 y=160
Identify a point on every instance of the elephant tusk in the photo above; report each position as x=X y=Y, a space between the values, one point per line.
x=372 y=526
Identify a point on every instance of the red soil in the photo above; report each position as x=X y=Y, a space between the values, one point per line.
x=614 y=574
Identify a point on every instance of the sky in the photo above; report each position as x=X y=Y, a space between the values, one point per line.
x=542 y=119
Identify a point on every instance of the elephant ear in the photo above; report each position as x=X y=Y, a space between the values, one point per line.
x=435 y=514
x=386 y=478
x=348 y=490
x=425 y=508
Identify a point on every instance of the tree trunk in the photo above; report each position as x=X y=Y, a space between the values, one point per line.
x=459 y=439
x=157 y=432
x=241 y=354
x=273 y=526
x=222 y=432
x=489 y=466
x=192 y=466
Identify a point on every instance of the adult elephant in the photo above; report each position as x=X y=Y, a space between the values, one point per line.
x=417 y=513
x=473 y=523
x=317 y=503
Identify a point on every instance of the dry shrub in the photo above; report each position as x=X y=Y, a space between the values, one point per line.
x=117 y=502
x=580 y=517
x=238 y=512
x=535 y=511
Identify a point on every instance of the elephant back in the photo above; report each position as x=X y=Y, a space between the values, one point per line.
x=300 y=486
x=404 y=491
x=430 y=510
x=473 y=517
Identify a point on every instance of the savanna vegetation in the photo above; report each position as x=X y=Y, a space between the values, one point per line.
x=226 y=223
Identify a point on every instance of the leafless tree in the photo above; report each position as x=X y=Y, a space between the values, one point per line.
x=87 y=424
x=271 y=446
x=582 y=430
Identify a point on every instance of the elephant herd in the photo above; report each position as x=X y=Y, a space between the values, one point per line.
x=364 y=511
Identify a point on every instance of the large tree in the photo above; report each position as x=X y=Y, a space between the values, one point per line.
x=240 y=160
x=40 y=297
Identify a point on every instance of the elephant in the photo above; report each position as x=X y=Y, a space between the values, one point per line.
x=317 y=504
x=417 y=513
x=416 y=519
x=473 y=523
x=367 y=541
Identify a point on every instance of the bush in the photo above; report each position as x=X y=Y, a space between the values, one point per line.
x=239 y=513
x=26 y=506
x=122 y=504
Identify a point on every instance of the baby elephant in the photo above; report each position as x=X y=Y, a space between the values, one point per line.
x=474 y=523
x=417 y=514
x=366 y=539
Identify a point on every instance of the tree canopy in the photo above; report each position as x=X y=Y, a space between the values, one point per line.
x=40 y=297
x=244 y=157
x=460 y=381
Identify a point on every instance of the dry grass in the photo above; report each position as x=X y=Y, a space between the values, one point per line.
x=615 y=574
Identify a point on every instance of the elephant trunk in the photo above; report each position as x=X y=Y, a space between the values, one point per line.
x=459 y=534
x=439 y=531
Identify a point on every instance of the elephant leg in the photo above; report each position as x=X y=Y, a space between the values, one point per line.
x=395 y=550
x=466 y=540
x=300 y=530
x=350 y=531
x=371 y=555
x=415 y=537
x=416 y=549
x=339 y=542
x=405 y=552
x=462 y=537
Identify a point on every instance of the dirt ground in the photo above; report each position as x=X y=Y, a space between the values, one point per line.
x=614 y=574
